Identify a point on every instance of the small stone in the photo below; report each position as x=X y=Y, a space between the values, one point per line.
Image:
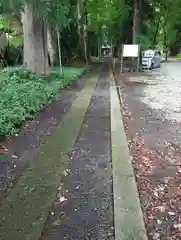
x=177 y=225
x=171 y=213
x=159 y=221
x=156 y=236
x=161 y=188
x=155 y=194
x=161 y=208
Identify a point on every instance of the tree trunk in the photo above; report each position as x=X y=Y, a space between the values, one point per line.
x=85 y=34
x=85 y=43
x=52 y=46
x=59 y=52
x=140 y=17
x=165 y=42
x=98 y=48
x=35 y=43
x=156 y=33
x=137 y=19
x=82 y=27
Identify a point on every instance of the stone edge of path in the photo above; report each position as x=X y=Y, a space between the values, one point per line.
x=128 y=216
x=24 y=211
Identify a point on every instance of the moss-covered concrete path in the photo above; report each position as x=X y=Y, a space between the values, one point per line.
x=81 y=183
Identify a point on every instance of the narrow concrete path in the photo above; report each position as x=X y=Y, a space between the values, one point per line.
x=86 y=209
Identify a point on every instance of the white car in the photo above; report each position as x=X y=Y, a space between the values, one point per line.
x=151 y=59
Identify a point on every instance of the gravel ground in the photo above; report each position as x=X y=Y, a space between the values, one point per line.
x=152 y=119
x=84 y=206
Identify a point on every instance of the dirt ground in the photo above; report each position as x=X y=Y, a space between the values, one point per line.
x=152 y=119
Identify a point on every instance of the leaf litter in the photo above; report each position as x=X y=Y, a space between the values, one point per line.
x=159 y=189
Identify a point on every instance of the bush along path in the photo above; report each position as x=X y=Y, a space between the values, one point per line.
x=23 y=94
x=24 y=211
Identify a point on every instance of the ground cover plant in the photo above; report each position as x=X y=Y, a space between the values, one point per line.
x=23 y=94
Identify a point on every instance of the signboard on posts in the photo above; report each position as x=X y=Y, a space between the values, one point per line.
x=130 y=51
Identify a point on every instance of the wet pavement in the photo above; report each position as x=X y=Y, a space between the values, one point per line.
x=152 y=116
x=84 y=205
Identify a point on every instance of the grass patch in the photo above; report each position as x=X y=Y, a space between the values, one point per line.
x=178 y=56
x=23 y=94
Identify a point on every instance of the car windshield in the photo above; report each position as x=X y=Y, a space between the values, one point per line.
x=148 y=54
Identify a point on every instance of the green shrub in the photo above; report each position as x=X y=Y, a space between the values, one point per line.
x=178 y=56
x=23 y=94
x=144 y=42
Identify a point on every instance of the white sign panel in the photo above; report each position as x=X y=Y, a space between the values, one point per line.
x=130 y=50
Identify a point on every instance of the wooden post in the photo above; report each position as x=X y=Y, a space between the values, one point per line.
x=138 y=60
x=121 y=59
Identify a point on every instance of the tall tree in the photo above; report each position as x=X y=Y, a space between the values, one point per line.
x=35 y=42
x=82 y=27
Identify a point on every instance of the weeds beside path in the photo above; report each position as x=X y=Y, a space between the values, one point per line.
x=23 y=94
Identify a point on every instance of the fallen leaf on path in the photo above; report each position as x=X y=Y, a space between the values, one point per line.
x=78 y=186
x=66 y=172
x=57 y=222
x=62 y=199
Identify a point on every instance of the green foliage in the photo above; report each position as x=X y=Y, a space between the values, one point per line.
x=104 y=13
x=144 y=42
x=16 y=42
x=23 y=94
x=59 y=14
x=178 y=56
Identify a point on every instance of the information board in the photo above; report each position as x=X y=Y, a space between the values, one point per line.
x=130 y=50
